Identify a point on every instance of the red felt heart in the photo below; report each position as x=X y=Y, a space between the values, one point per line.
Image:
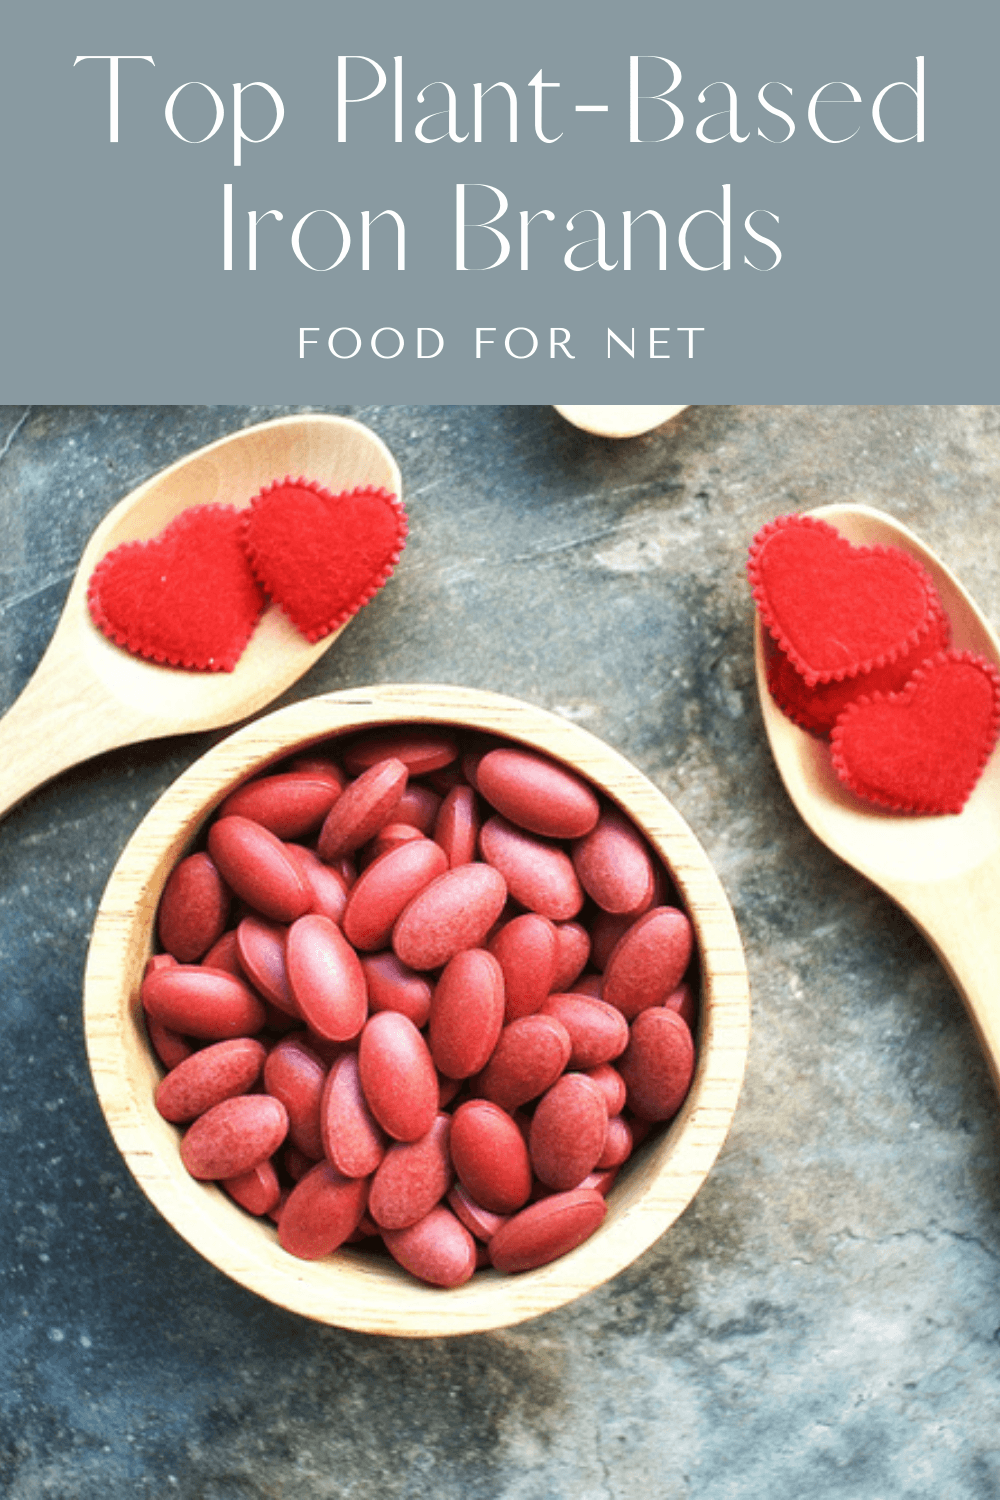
x=836 y=609
x=924 y=749
x=186 y=598
x=322 y=556
x=817 y=708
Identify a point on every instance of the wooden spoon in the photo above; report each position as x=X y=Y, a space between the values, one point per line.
x=618 y=421
x=88 y=695
x=944 y=872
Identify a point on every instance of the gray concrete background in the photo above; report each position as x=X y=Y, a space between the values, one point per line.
x=825 y=1318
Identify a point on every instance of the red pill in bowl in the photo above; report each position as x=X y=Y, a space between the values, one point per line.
x=207 y=1077
x=598 y=1032
x=193 y=908
x=398 y=1077
x=353 y=1141
x=420 y=750
x=526 y=949
x=648 y=962
x=295 y=1075
x=546 y=1230
x=290 y=804
x=411 y=1178
x=326 y=978
x=455 y=911
x=568 y=1131
x=540 y=876
x=614 y=864
x=260 y=949
x=467 y=1013
x=528 y=1058
x=393 y=986
x=456 y=827
x=200 y=1002
x=388 y=885
x=321 y=1212
x=437 y=1249
x=362 y=808
x=490 y=1157
x=658 y=1064
x=537 y=794
x=258 y=868
x=233 y=1137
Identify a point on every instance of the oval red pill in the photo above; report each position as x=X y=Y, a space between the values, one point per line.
x=537 y=794
x=546 y=1230
x=207 y=1077
x=526 y=950
x=528 y=1058
x=477 y=1219
x=420 y=750
x=170 y=1047
x=386 y=887
x=295 y=1075
x=326 y=977
x=290 y=804
x=568 y=1130
x=225 y=955
x=193 y=908
x=260 y=948
x=658 y=1064
x=393 y=986
x=572 y=953
x=454 y=912
x=598 y=1032
x=258 y=1191
x=412 y=1177
x=398 y=1076
x=467 y=1012
x=614 y=864
x=490 y=1157
x=233 y=1137
x=648 y=963
x=201 y=1002
x=539 y=876
x=363 y=807
x=321 y=1212
x=353 y=1140
x=329 y=887
x=456 y=827
x=418 y=806
x=437 y=1249
x=258 y=867
x=611 y=1084
x=617 y=1144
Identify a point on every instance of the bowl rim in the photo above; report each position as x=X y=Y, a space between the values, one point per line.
x=349 y=1289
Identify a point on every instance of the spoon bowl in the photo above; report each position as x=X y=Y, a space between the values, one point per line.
x=618 y=421
x=89 y=695
x=943 y=871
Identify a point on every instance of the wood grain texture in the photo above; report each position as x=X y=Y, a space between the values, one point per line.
x=350 y=1289
x=943 y=871
x=88 y=695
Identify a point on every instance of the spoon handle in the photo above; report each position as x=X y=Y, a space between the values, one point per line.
x=62 y=717
x=961 y=919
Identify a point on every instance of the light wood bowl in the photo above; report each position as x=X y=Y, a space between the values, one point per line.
x=353 y=1289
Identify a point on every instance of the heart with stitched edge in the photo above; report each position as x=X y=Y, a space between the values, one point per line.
x=187 y=598
x=322 y=556
x=817 y=708
x=837 y=610
x=924 y=749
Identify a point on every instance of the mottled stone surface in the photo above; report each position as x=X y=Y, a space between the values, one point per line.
x=825 y=1318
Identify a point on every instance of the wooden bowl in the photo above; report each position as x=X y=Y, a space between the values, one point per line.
x=354 y=1289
